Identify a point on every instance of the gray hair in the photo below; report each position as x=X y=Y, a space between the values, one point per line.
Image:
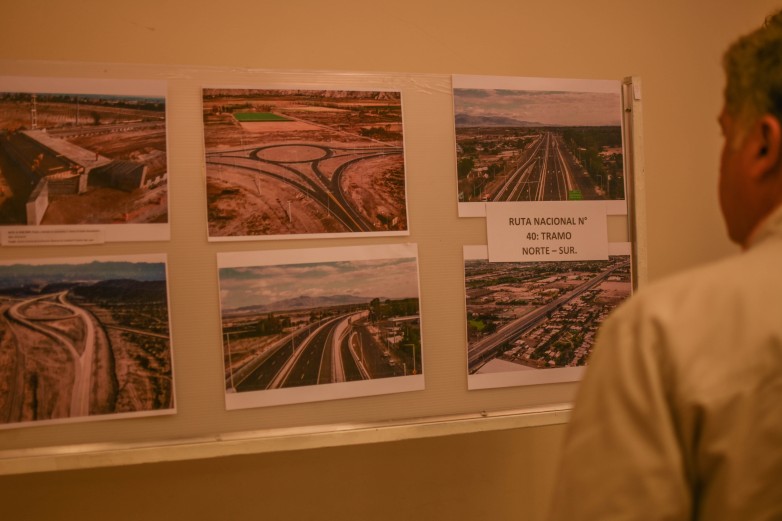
x=753 y=69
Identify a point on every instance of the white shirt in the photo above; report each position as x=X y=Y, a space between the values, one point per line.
x=679 y=416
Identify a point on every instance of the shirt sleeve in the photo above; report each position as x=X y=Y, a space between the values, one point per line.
x=621 y=459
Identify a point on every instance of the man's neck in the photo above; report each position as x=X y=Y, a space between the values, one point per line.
x=755 y=234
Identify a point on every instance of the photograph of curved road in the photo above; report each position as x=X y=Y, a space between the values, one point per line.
x=556 y=142
x=304 y=162
x=539 y=315
x=307 y=324
x=81 y=338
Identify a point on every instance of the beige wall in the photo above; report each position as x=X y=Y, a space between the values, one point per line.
x=673 y=45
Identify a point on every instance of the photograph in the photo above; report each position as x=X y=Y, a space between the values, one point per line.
x=535 y=322
x=84 y=153
x=288 y=164
x=537 y=139
x=83 y=339
x=320 y=324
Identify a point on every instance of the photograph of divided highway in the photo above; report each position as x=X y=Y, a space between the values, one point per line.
x=311 y=324
x=550 y=141
x=539 y=315
x=84 y=338
x=72 y=157
x=304 y=163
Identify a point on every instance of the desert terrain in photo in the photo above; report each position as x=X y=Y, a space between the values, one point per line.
x=109 y=130
x=304 y=162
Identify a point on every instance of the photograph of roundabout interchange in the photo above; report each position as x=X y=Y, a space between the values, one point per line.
x=283 y=162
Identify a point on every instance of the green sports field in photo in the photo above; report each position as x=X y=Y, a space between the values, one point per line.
x=247 y=117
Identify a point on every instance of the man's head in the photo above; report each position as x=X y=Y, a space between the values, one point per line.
x=751 y=164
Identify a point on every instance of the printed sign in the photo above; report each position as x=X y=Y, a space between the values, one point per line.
x=547 y=231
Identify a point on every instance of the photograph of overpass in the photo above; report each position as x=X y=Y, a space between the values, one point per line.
x=534 y=139
x=84 y=338
x=312 y=325
x=524 y=316
x=304 y=163
x=74 y=152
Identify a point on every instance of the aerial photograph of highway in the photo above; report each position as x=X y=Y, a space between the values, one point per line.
x=72 y=157
x=542 y=144
x=539 y=315
x=309 y=324
x=304 y=162
x=84 y=338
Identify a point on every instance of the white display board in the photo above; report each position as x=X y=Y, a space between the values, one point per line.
x=202 y=426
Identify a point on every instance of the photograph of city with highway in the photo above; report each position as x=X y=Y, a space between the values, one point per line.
x=539 y=315
x=82 y=158
x=304 y=162
x=84 y=338
x=538 y=145
x=308 y=324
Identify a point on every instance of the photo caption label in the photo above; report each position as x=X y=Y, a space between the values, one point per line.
x=41 y=237
x=547 y=231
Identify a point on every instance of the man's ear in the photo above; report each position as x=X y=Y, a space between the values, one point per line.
x=765 y=143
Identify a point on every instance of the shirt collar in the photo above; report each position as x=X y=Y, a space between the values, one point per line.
x=770 y=225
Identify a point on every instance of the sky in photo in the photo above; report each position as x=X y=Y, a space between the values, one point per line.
x=538 y=106
x=262 y=285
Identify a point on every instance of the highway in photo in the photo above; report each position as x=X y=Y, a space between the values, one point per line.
x=330 y=352
x=50 y=322
x=549 y=173
x=490 y=346
x=314 y=170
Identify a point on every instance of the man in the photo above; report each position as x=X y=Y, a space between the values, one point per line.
x=679 y=416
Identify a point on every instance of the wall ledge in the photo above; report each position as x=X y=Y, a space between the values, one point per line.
x=75 y=457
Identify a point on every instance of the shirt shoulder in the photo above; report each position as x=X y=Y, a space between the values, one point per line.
x=727 y=283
